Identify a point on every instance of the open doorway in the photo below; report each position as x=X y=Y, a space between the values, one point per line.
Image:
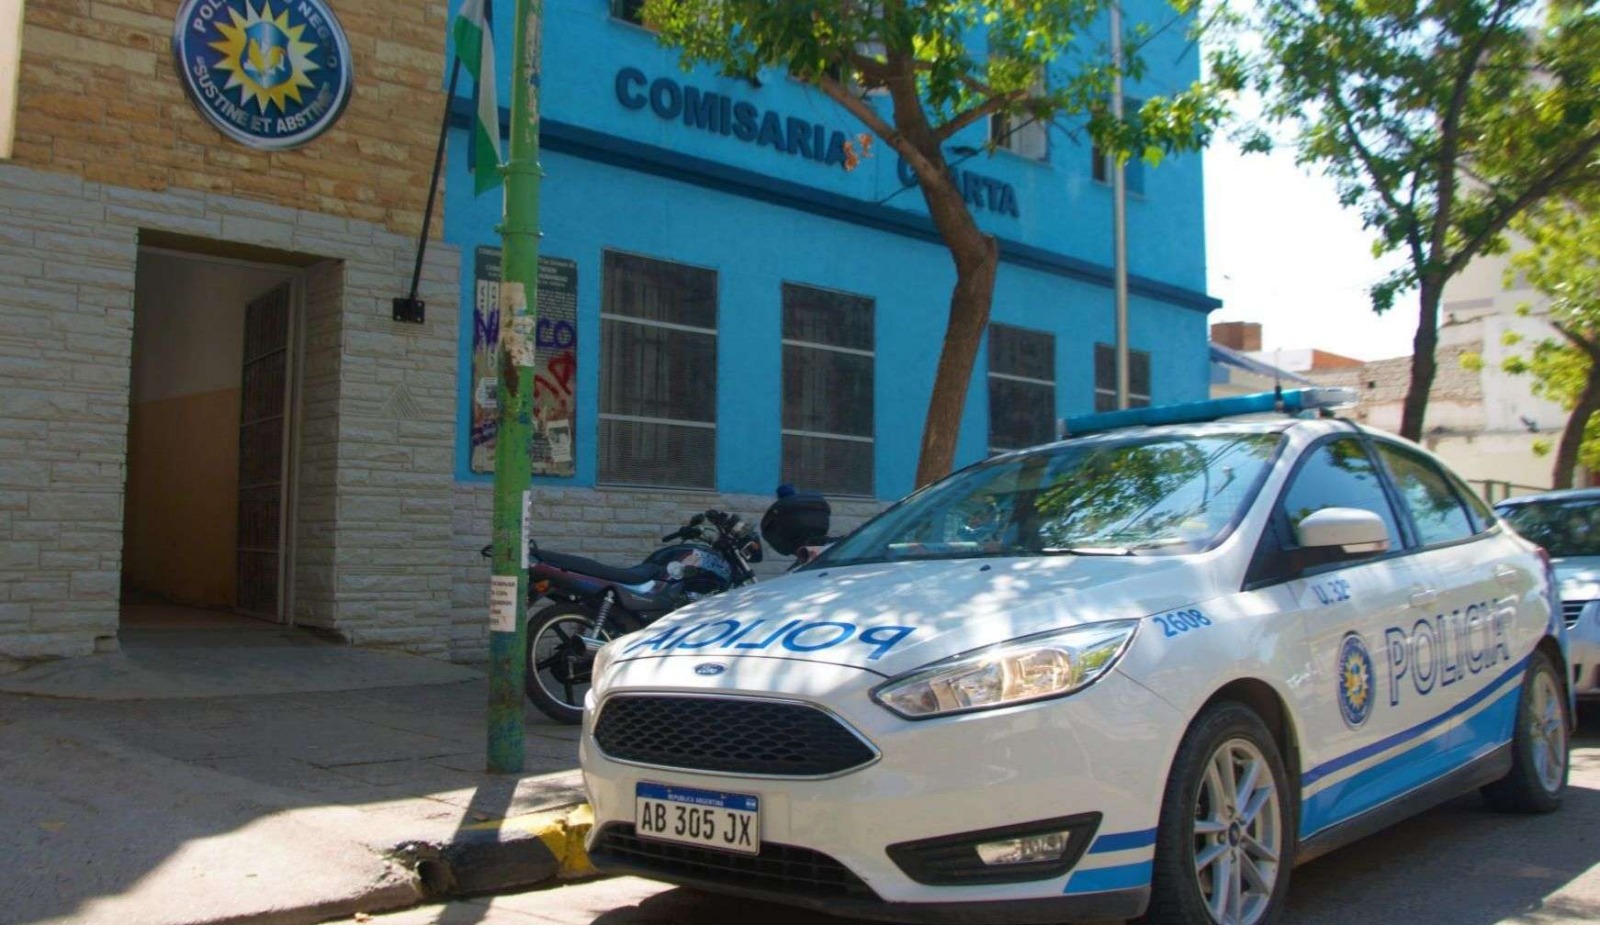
x=209 y=441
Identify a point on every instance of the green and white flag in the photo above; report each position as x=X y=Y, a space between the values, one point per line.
x=475 y=48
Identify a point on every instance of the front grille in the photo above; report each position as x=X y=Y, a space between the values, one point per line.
x=728 y=735
x=777 y=869
x=1571 y=611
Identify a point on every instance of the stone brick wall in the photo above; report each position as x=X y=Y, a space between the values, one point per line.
x=100 y=99
x=616 y=526
x=316 y=471
x=377 y=411
x=1454 y=402
x=66 y=333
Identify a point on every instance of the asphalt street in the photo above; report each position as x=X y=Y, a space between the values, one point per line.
x=1459 y=864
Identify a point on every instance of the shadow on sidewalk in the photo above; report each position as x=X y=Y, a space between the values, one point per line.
x=174 y=808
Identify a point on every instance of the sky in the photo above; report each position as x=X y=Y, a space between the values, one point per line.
x=1280 y=250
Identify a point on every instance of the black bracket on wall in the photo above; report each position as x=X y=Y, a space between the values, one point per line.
x=409 y=309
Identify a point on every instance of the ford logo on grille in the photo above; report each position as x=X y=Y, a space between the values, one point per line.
x=710 y=668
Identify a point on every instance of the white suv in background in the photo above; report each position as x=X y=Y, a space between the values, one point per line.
x=1567 y=525
x=1141 y=671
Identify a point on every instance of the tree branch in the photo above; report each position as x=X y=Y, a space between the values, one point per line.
x=867 y=66
x=1587 y=344
x=987 y=108
x=1450 y=132
x=1536 y=191
x=1369 y=163
x=876 y=123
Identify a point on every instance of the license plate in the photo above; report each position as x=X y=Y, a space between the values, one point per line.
x=709 y=818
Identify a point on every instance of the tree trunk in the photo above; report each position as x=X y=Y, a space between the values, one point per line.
x=970 y=301
x=975 y=253
x=1423 y=363
x=1572 y=435
x=976 y=256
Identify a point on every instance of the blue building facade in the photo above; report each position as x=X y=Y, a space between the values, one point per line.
x=731 y=308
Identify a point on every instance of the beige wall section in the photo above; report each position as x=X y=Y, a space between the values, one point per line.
x=10 y=56
x=183 y=425
x=188 y=324
x=99 y=77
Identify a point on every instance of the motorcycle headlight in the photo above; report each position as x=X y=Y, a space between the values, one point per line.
x=1023 y=670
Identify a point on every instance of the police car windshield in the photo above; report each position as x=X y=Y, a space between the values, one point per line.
x=1160 y=495
x=1563 y=528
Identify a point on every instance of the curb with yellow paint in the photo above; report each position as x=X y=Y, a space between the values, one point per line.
x=561 y=830
x=498 y=855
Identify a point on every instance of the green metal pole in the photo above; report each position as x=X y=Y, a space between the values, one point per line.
x=513 y=472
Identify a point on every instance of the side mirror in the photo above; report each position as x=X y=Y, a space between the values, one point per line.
x=1343 y=532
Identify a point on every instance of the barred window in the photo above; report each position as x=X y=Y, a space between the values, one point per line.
x=628 y=11
x=658 y=373
x=1105 y=378
x=827 y=390
x=1022 y=134
x=1102 y=162
x=1022 y=388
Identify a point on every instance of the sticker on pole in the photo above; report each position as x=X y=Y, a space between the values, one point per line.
x=527 y=518
x=503 y=603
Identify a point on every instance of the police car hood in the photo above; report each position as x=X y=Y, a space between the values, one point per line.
x=892 y=617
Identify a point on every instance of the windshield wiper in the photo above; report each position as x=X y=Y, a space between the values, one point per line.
x=1132 y=550
x=1086 y=551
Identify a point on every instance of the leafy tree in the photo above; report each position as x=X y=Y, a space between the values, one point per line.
x=1562 y=262
x=1442 y=120
x=918 y=75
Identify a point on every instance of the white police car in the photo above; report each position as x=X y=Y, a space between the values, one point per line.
x=1567 y=525
x=1142 y=671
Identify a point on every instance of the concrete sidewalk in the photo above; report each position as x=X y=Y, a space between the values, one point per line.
x=230 y=776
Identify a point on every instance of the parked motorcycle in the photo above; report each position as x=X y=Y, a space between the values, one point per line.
x=591 y=603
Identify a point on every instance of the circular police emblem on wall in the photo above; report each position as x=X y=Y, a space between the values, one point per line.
x=1355 y=680
x=270 y=74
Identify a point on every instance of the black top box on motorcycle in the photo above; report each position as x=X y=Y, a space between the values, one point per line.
x=796 y=520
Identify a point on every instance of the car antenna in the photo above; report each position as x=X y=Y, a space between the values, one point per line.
x=1277 y=379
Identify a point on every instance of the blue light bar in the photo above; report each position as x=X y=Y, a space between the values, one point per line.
x=1290 y=401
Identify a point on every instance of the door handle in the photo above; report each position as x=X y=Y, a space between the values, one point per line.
x=1424 y=598
x=1506 y=575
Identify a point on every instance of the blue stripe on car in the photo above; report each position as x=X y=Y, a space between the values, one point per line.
x=1122 y=841
x=1402 y=773
x=1361 y=754
x=1121 y=877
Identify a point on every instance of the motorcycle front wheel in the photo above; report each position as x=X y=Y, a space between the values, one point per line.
x=559 y=664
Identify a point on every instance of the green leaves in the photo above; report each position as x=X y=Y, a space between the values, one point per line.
x=1441 y=120
x=1562 y=262
x=965 y=59
x=920 y=73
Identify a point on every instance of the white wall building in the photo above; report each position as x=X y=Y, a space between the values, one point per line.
x=1484 y=422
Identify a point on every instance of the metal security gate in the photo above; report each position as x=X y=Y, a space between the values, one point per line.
x=263 y=402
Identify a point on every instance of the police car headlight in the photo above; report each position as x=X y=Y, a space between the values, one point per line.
x=1020 y=671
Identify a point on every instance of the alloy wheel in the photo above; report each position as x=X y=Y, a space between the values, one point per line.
x=1238 y=834
x=1547 y=732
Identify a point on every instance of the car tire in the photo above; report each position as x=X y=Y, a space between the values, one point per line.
x=1537 y=780
x=555 y=664
x=1212 y=854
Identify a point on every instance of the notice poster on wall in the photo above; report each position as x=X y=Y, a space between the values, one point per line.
x=555 y=366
